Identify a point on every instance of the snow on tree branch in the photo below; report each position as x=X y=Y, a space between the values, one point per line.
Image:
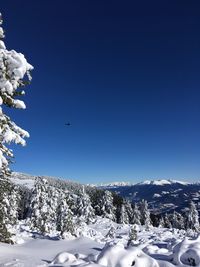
x=14 y=68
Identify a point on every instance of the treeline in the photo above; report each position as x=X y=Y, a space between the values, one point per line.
x=59 y=208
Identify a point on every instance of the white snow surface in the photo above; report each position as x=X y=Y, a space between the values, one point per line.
x=157 y=247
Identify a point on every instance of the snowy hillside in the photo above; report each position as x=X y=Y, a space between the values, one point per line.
x=156 y=247
x=48 y=221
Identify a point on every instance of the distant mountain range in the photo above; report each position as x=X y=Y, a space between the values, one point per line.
x=162 y=195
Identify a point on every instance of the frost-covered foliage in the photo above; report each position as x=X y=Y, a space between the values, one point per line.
x=9 y=204
x=13 y=69
x=84 y=207
x=65 y=222
x=55 y=210
x=132 y=235
x=192 y=218
x=129 y=210
x=136 y=215
x=59 y=209
x=145 y=214
x=161 y=223
x=48 y=207
x=124 y=218
x=167 y=221
x=106 y=206
x=112 y=232
x=177 y=221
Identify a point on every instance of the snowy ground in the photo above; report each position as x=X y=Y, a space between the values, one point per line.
x=154 y=248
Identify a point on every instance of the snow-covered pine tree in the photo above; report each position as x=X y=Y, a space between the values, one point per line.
x=9 y=204
x=111 y=233
x=132 y=235
x=167 y=221
x=136 y=216
x=85 y=211
x=177 y=220
x=181 y=221
x=145 y=214
x=42 y=211
x=65 y=222
x=53 y=198
x=124 y=219
x=192 y=218
x=13 y=69
x=106 y=206
x=161 y=223
x=129 y=209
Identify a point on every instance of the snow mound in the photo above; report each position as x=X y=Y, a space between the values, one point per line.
x=115 y=255
x=64 y=257
x=187 y=252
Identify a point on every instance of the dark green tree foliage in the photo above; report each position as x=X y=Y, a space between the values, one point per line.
x=167 y=221
x=177 y=220
x=117 y=203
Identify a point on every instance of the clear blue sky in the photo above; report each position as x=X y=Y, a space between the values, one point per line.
x=126 y=74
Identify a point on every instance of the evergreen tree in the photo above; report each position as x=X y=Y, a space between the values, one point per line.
x=65 y=222
x=13 y=69
x=129 y=209
x=124 y=219
x=161 y=223
x=167 y=221
x=84 y=207
x=132 y=235
x=50 y=209
x=192 y=219
x=112 y=232
x=136 y=216
x=105 y=206
x=8 y=209
x=177 y=220
x=145 y=214
x=42 y=216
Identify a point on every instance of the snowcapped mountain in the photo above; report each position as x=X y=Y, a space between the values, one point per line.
x=162 y=195
x=146 y=182
x=115 y=184
x=163 y=182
